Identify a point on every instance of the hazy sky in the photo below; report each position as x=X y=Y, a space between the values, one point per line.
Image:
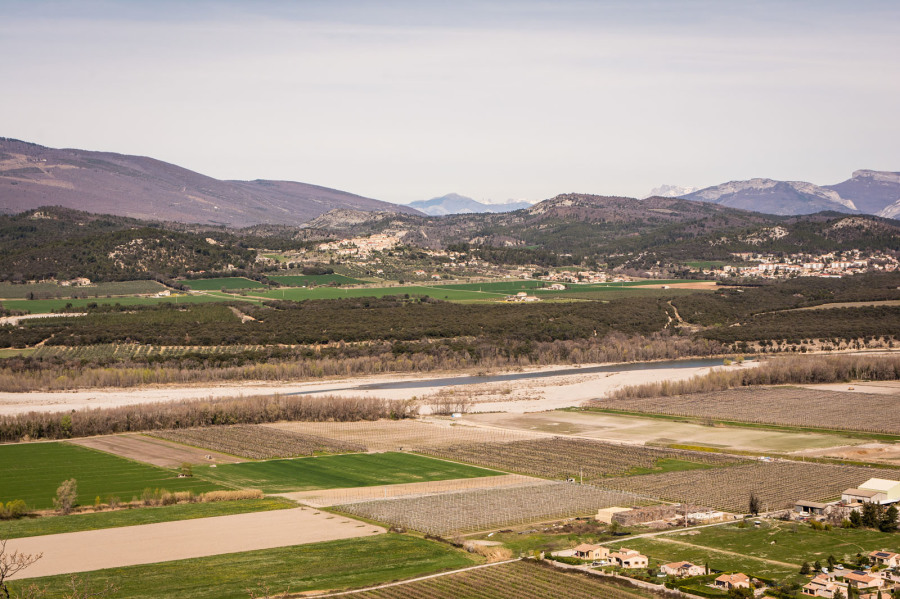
x=403 y=101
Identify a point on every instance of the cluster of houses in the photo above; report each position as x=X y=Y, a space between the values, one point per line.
x=867 y=584
x=361 y=246
x=623 y=558
x=836 y=265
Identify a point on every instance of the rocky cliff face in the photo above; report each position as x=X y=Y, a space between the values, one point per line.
x=873 y=192
x=774 y=197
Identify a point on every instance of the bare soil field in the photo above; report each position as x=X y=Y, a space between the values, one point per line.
x=641 y=430
x=166 y=541
x=777 y=485
x=330 y=497
x=879 y=387
x=396 y=435
x=887 y=453
x=154 y=451
x=781 y=406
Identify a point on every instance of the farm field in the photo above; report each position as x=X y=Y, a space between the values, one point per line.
x=51 y=290
x=562 y=457
x=330 y=497
x=309 y=280
x=437 y=292
x=136 y=351
x=777 y=485
x=486 y=509
x=153 y=451
x=33 y=471
x=780 y=406
x=343 y=564
x=339 y=471
x=32 y=527
x=257 y=442
x=394 y=435
x=658 y=430
x=222 y=282
x=514 y=580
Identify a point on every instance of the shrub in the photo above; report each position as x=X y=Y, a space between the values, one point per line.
x=13 y=509
x=213 y=496
x=66 y=496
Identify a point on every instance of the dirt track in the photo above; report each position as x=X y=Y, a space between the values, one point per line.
x=167 y=541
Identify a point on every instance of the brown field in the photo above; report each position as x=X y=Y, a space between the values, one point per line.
x=778 y=484
x=488 y=509
x=563 y=457
x=154 y=451
x=258 y=442
x=150 y=543
x=513 y=580
x=782 y=406
x=395 y=435
x=329 y=497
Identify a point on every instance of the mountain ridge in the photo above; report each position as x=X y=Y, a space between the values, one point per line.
x=142 y=187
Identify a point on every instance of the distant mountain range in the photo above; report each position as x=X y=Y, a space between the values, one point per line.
x=866 y=192
x=139 y=187
x=453 y=203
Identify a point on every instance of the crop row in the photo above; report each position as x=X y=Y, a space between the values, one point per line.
x=777 y=485
x=484 y=509
x=257 y=442
x=516 y=580
x=564 y=457
x=778 y=406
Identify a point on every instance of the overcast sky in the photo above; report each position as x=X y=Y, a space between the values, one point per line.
x=403 y=101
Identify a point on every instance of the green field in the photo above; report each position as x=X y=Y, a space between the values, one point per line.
x=222 y=283
x=334 y=565
x=310 y=280
x=338 y=472
x=33 y=527
x=51 y=290
x=785 y=542
x=33 y=471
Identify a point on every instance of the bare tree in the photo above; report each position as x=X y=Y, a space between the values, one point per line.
x=11 y=563
x=78 y=588
x=262 y=592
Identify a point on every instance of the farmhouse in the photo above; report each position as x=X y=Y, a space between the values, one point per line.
x=592 y=552
x=885 y=558
x=861 y=580
x=823 y=585
x=861 y=496
x=733 y=581
x=629 y=558
x=682 y=569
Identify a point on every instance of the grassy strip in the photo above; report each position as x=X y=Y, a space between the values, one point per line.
x=34 y=527
x=338 y=472
x=734 y=423
x=669 y=465
x=334 y=565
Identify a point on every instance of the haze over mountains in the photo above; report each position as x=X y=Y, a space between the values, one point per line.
x=453 y=203
x=139 y=187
